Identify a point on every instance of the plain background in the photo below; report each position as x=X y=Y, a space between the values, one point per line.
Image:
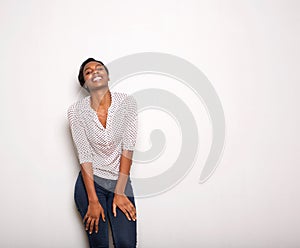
x=249 y=50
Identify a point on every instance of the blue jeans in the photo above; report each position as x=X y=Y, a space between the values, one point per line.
x=123 y=230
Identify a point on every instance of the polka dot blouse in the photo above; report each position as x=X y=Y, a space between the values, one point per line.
x=99 y=145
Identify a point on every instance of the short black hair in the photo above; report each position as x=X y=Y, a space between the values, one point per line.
x=80 y=75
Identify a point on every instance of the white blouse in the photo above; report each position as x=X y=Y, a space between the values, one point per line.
x=99 y=145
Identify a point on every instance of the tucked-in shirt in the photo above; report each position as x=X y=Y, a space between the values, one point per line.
x=103 y=146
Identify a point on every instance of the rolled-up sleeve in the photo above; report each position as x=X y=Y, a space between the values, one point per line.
x=83 y=147
x=131 y=124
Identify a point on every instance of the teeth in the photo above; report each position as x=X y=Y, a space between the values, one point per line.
x=97 y=78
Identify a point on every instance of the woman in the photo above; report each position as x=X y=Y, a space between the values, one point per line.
x=104 y=129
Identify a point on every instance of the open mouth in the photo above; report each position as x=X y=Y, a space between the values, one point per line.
x=96 y=78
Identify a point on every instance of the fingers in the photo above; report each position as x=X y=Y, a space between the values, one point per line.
x=87 y=223
x=96 y=225
x=132 y=212
x=92 y=225
x=128 y=209
x=103 y=216
x=125 y=212
x=114 y=209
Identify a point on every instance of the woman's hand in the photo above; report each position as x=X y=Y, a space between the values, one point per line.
x=122 y=201
x=92 y=216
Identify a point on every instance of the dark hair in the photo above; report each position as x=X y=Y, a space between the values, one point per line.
x=80 y=75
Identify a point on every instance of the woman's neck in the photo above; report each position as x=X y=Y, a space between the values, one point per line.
x=101 y=99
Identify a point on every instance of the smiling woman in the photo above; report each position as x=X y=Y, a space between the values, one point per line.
x=86 y=70
x=104 y=130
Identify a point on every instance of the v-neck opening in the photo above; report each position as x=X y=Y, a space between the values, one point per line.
x=108 y=111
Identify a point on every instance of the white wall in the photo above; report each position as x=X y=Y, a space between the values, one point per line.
x=249 y=52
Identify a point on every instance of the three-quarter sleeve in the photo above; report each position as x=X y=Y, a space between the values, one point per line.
x=131 y=124
x=83 y=147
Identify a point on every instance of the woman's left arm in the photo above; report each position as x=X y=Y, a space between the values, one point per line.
x=129 y=140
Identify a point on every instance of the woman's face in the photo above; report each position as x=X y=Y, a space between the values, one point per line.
x=95 y=75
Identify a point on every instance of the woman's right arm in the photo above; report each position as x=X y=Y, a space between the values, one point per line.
x=87 y=174
x=84 y=152
x=94 y=209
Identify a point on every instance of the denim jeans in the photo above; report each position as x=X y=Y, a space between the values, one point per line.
x=123 y=230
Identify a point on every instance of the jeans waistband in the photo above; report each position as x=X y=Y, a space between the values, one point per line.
x=110 y=184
